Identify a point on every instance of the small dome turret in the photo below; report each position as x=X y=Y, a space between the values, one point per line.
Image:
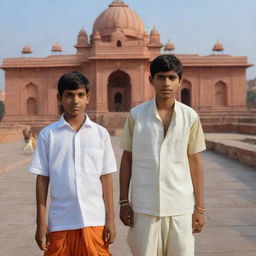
x=82 y=33
x=82 y=39
x=218 y=47
x=26 y=49
x=56 y=47
x=169 y=46
x=154 y=36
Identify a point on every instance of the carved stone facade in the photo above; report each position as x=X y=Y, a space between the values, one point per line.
x=116 y=60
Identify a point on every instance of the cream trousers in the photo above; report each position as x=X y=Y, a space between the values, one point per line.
x=161 y=236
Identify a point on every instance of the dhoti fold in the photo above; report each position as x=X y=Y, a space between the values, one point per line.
x=80 y=242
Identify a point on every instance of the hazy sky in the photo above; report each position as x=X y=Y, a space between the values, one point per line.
x=192 y=25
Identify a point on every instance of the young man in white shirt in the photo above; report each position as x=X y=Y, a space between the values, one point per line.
x=161 y=141
x=75 y=156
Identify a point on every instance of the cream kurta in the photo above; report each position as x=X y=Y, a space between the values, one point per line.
x=161 y=180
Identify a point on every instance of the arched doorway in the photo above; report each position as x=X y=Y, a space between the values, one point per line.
x=185 y=93
x=31 y=107
x=119 y=92
x=185 y=96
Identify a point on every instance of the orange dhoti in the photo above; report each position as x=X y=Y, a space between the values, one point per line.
x=80 y=242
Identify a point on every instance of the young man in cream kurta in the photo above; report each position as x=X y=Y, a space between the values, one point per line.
x=161 y=142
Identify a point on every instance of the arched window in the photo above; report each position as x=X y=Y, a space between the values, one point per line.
x=220 y=94
x=119 y=43
x=31 y=90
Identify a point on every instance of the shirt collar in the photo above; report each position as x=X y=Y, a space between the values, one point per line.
x=62 y=122
x=153 y=104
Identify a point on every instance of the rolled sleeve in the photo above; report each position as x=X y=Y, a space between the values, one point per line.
x=109 y=160
x=126 y=139
x=40 y=161
x=196 y=142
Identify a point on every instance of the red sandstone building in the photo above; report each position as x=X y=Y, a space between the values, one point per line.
x=116 y=59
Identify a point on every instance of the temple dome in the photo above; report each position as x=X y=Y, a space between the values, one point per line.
x=119 y=16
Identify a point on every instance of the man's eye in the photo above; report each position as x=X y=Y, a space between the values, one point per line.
x=172 y=77
x=81 y=95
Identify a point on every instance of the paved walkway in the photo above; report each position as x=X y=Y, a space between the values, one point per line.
x=230 y=202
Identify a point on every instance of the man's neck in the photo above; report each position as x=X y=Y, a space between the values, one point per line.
x=75 y=121
x=163 y=104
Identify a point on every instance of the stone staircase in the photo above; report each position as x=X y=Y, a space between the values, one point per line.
x=240 y=122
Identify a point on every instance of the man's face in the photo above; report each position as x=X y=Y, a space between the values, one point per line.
x=166 y=84
x=74 y=102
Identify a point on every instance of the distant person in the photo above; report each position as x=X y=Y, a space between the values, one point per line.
x=30 y=141
x=26 y=133
x=161 y=141
x=75 y=156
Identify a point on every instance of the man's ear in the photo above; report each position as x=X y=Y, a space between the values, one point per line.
x=181 y=80
x=88 y=95
x=59 y=100
x=150 y=78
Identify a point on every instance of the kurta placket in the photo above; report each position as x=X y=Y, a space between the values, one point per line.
x=160 y=128
x=77 y=161
x=162 y=157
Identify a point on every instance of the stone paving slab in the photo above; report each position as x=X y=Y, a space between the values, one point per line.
x=12 y=155
x=230 y=201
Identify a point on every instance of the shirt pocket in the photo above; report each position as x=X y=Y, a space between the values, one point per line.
x=93 y=161
x=179 y=152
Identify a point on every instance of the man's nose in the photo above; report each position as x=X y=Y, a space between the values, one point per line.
x=75 y=99
x=166 y=81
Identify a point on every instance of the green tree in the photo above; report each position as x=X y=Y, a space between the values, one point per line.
x=251 y=99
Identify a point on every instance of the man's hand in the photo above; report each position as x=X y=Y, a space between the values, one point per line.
x=42 y=237
x=197 y=222
x=109 y=232
x=126 y=215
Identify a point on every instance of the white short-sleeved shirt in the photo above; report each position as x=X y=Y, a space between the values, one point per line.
x=74 y=162
x=161 y=181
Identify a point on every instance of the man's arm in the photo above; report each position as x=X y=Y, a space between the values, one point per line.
x=196 y=171
x=107 y=187
x=41 y=236
x=126 y=213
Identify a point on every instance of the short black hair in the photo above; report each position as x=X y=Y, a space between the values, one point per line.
x=73 y=81
x=164 y=63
